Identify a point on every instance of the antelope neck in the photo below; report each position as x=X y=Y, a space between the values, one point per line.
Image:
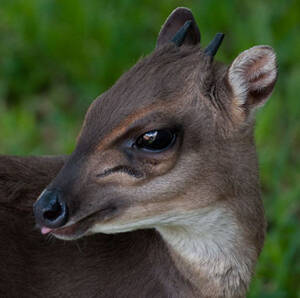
x=210 y=251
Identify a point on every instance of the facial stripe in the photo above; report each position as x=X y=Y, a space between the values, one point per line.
x=121 y=129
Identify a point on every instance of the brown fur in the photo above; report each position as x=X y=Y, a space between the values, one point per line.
x=123 y=265
x=210 y=174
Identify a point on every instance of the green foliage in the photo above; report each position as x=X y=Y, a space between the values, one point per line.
x=56 y=56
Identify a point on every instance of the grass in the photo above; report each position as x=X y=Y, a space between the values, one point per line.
x=57 y=56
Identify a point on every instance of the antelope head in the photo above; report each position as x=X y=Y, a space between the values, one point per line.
x=170 y=147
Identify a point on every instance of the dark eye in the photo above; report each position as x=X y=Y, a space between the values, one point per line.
x=156 y=140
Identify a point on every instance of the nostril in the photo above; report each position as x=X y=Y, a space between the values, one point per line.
x=50 y=210
x=54 y=212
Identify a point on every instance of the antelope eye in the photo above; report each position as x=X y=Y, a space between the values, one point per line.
x=156 y=140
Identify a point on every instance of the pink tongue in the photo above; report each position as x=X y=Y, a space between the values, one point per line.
x=45 y=230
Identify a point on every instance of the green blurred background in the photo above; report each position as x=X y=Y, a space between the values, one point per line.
x=57 y=56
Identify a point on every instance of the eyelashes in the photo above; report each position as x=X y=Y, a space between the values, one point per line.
x=123 y=169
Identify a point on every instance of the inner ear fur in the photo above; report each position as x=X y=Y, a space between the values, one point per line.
x=252 y=76
x=174 y=22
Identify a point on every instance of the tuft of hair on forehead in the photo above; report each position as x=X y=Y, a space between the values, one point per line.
x=166 y=71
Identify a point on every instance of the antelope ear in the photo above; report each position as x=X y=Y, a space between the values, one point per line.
x=174 y=22
x=252 y=76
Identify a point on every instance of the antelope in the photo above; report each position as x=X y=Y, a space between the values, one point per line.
x=161 y=196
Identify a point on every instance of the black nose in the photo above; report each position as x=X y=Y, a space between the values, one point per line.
x=50 y=210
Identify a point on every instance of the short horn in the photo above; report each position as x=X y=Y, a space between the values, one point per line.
x=214 y=45
x=180 y=35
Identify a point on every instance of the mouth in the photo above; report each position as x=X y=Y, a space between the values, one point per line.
x=80 y=228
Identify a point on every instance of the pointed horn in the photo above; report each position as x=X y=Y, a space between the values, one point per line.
x=214 y=45
x=180 y=35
